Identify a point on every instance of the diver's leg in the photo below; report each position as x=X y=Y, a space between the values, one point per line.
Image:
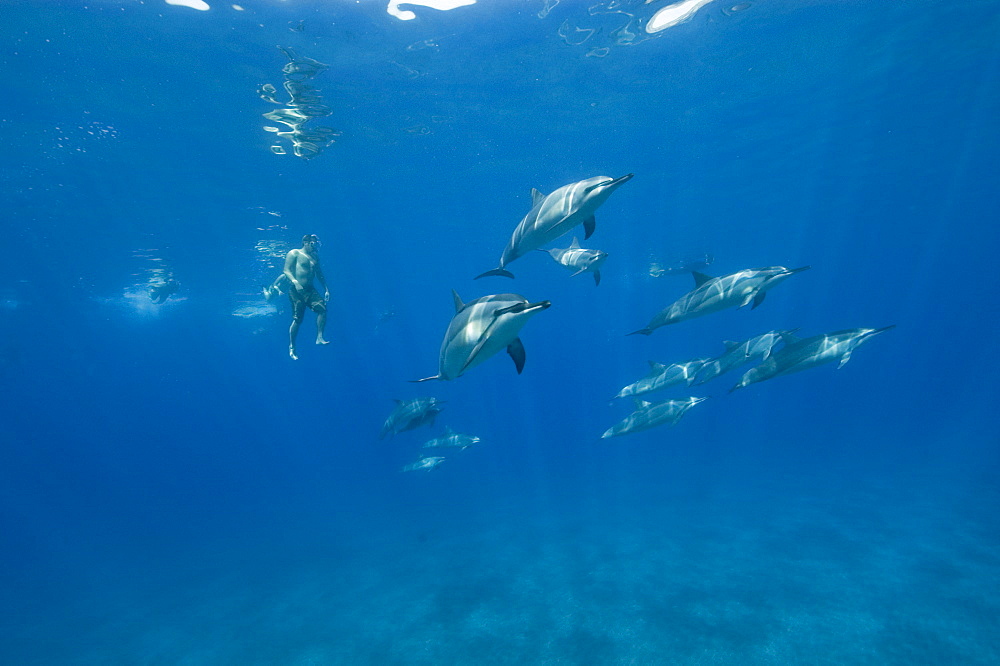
x=320 y=326
x=293 y=330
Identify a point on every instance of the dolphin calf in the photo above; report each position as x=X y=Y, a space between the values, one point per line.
x=661 y=376
x=713 y=294
x=651 y=414
x=425 y=464
x=410 y=414
x=738 y=353
x=580 y=259
x=451 y=440
x=802 y=354
x=480 y=329
x=554 y=214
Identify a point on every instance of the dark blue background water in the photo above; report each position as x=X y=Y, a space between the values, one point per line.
x=175 y=490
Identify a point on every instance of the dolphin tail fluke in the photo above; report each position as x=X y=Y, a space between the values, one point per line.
x=425 y=379
x=643 y=331
x=496 y=271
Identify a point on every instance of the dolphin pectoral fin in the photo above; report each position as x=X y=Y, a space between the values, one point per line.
x=589 y=225
x=582 y=270
x=516 y=351
x=496 y=271
x=843 y=360
x=758 y=299
x=597 y=278
x=425 y=379
x=747 y=299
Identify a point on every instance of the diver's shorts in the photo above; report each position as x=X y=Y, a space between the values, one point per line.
x=308 y=297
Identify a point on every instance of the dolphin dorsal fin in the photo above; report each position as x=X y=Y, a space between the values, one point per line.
x=536 y=197
x=656 y=366
x=730 y=345
x=448 y=430
x=458 y=301
x=575 y=245
x=700 y=278
x=641 y=404
x=789 y=338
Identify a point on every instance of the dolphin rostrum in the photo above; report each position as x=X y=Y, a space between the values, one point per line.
x=651 y=414
x=554 y=214
x=410 y=414
x=661 y=376
x=580 y=259
x=738 y=353
x=802 y=354
x=480 y=329
x=713 y=294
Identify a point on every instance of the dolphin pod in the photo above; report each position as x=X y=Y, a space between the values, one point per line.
x=712 y=294
x=554 y=214
x=483 y=327
x=480 y=329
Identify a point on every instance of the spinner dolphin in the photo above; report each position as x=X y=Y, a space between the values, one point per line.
x=554 y=214
x=651 y=414
x=410 y=414
x=480 y=329
x=713 y=294
x=580 y=259
x=802 y=354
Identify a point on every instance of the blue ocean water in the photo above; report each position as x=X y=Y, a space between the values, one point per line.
x=176 y=490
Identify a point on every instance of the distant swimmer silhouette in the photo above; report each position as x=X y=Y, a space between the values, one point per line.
x=159 y=292
x=301 y=265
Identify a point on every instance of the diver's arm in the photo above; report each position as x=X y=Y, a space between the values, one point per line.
x=322 y=281
x=290 y=260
